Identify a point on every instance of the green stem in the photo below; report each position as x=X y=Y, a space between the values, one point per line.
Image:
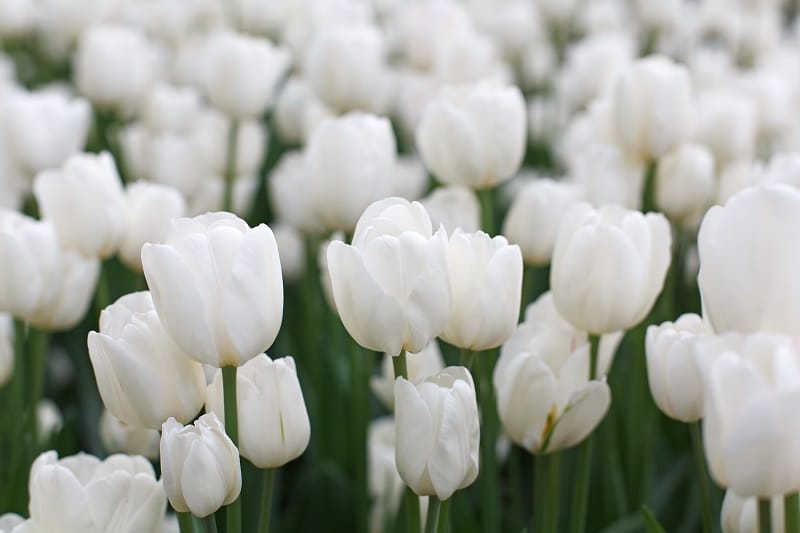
x=266 y=500
x=358 y=434
x=444 y=517
x=413 y=521
x=102 y=296
x=230 y=165
x=433 y=514
x=487 y=210
x=210 y=523
x=594 y=348
x=489 y=481
x=649 y=190
x=234 y=510
x=539 y=492
x=553 y=492
x=702 y=477
x=765 y=515
x=400 y=366
x=791 y=513
x=466 y=358
x=185 y=522
x=580 y=495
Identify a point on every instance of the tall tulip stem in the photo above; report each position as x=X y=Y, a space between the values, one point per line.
x=649 y=190
x=230 y=165
x=489 y=472
x=702 y=477
x=791 y=513
x=210 y=523
x=234 y=510
x=553 y=492
x=400 y=367
x=266 y=500
x=594 y=348
x=765 y=515
x=487 y=210
x=444 y=517
x=411 y=499
x=432 y=519
x=185 y=522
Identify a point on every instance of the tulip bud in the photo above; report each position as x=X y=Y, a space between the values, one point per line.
x=726 y=125
x=290 y=195
x=6 y=347
x=485 y=290
x=652 y=106
x=749 y=262
x=671 y=370
x=685 y=182
x=292 y=251
x=535 y=216
x=391 y=285
x=119 y=437
x=241 y=317
x=453 y=207
x=437 y=432
x=419 y=366
x=151 y=208
x=170 y=109
x=143 y=376
x=385 y=485
x=410 y=178
x=83 y=494
x=115 y=65
x=349 y=163
x=242 y=73
x=199 y=466
x=48 y=421
x=739 y=515
x=86 y=203
x=473 y=135
x=273 y=422
x=609 y=265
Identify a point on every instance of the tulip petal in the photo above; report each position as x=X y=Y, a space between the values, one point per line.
x=203 y=481
x=585 y=411
x=415 y=433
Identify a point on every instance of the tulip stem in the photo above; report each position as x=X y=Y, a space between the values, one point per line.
x=791 y=513
x=649 y=191
x=553 y=462
x=185 y=522
x=594 y=348
x=234 y=509
x=765 y=515
x=210 y=523
x=400 y=367
x=432 y=519
x=444 y=517
x=266 y=500
x=487 y=210
x=230 y=165
x=580 y=496
x=702 y=476
x=413 y=520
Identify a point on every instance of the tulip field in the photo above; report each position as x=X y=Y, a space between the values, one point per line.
x=399 y=266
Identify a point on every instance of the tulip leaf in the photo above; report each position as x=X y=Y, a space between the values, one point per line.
x=650 y=522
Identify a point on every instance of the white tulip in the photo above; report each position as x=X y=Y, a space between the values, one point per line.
x=292 y=251
x=119 y=437
x=290 y=194
x=170 y=108
x=49 y=421
x=453 y=207
x=685 y=181
x=740 y=515
x=419 y=366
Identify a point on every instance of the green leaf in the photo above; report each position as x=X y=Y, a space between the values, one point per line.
x=650 y=522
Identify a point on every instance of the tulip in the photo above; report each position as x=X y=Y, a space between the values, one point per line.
x=81 y=494
x=410 y=178
x=143 y=377
x=118 y=437
x=385 y=485
x=673 y=375
x=609 y=264
x=535 y=216
x=151 y=208
x=273 y=422
x=473 y=135
x=391 y=285
x=6 y=347
x=485 y=290
x=545 y=398
x=749 y=260
x=752 y=387
x=418 y=365
x=453 y=206
x=292 y=251
x=739 y=515
x=685 y=182
x=209 y=140
x=48 y=421
x=9 y=521
x=652 y=106
x=349 y=164
x=290 y=194
x=726 y=124
x=437 y=432
x=242 y=73
x=86 y=203
x=199 y=465
x=165 y=158
x=297 y=111
x=170 y=108
x=241 y=317
x=114 y=66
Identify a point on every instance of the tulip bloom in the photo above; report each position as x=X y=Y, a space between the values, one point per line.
x=199 y=465
x=609 y=265
x=217 y=287
x=143 y=377
x=438 y=432
x=273 y=422
x=118 y=437
x=391 y=285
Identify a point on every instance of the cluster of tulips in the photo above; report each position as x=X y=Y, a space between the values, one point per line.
x=386 y=265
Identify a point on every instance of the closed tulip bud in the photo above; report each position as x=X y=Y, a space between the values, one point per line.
x=609 y=265
x=410 y=178
x=295 y=106
x=242 y=73
x=453 y=207
x=473 y=135
x=143 y=377
x=240 y=319
x=391 y=284
x=118 y=437
x=419 y=366
x=81 y=494
x=292 y=251
x=86 y=203
x=349 y=163
x=545 y=398
x=726 y=124
x=437 y=432
x=290 y=194
x=385 y=485
x=48 y=421
x=749 y=262
x=199 y=466
x=273 y=422
x=652 y=106
x=535 y=216
x=151 y=209
x=345 y=67
x=485 y=290
x=739 y=515
x=6 y=347
x=43 y=129
x=170 y=109
x=685 y=184
x=752 y=388
x=674 y=378
x=114 y=66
